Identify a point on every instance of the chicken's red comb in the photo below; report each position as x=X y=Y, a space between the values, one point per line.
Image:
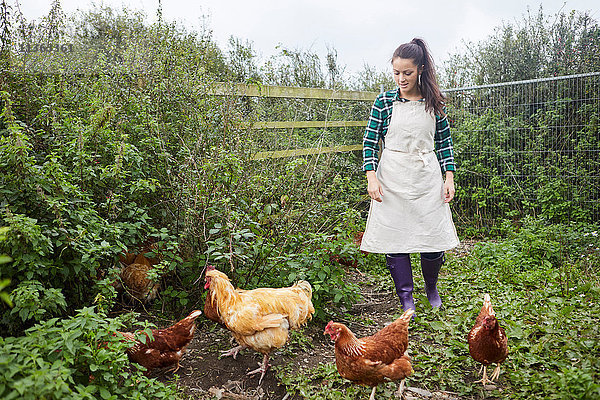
x=210 y=267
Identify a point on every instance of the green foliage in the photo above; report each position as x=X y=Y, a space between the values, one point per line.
x=557 y=204
x=577 y=384
x=63 y=238
x=270 y=223
x=91 y=166
x=96 y=165
x=33 y=301
x=324 y=382
x=74 y=358
x=5 y=297
x=371 y=80
x=324 y=272
x=543 y=297
x=4 y=283
x=140 y=149
x=537 y=46
x=515 y=161
x=526 y=149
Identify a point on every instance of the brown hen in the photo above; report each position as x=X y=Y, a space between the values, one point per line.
x=373 y=359
x=487 y=341
x=137 y=283
x=134 y=272
x=167 y=346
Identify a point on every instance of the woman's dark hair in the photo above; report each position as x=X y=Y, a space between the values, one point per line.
x=417 y=51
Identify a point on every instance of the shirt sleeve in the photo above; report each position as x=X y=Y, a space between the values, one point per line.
x=443 y=144
x=372 y=135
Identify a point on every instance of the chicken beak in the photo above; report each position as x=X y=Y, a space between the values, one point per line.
x=332 y=335
x=328 y=327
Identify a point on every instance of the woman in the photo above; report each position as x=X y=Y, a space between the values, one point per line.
x=409 y=208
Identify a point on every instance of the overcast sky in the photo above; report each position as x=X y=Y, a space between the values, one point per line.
x=362 y=31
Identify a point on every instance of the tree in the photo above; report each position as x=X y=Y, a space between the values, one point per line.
x=536 y=47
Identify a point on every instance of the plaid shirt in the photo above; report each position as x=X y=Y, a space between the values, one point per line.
x=378 y=125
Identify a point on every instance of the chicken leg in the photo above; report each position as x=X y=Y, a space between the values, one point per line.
x=484 y=380
x=496 y=373
x=400 y=391
x=373 y=393
x=233 y=351
x=175 y=368
x=262 y=369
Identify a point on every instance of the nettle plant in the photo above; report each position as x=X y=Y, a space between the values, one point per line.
x=75 y=358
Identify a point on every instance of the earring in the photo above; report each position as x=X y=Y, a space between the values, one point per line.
x=419 y=80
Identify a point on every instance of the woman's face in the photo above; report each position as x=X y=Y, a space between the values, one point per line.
x=406 y=74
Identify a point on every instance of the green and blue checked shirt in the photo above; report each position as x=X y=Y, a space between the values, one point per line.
x=377 y=128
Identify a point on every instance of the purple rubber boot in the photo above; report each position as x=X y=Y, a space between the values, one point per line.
x=401 y=271
x=431 y=270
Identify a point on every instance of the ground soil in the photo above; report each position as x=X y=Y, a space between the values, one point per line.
x=203 y=374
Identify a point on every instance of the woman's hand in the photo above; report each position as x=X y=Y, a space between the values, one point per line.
x=448 y=194
x=374 y=187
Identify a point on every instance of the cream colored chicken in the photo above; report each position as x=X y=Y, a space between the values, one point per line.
x=260 y=318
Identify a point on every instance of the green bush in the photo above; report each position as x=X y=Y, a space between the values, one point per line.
x=96 y=164
x=74 y=358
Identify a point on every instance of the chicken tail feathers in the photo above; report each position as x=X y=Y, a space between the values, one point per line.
x=487 y=305
x=407 y=315
x=305 y=286
x=194 y=314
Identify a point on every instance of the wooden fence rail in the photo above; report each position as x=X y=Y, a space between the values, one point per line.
x=304 y=152
x=240 y=89
x=306 y=124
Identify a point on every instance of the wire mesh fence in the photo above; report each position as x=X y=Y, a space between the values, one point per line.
x=527 y=148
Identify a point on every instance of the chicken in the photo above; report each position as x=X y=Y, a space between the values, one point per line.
x=127 y=257
x=357 y=240
x=167 y=346
x=211 y=312
x=487 y=341
x=373 y=359
x=134 y=273
x=260 y=318
x=210 y=309
x=150 y=250
x=135 y=278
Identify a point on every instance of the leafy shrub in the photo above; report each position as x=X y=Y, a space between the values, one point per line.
x=74 y=358
x=557 y=205
x=95 y=165
x=33 y=301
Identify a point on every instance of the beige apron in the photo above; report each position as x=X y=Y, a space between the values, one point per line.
x=412 y=217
